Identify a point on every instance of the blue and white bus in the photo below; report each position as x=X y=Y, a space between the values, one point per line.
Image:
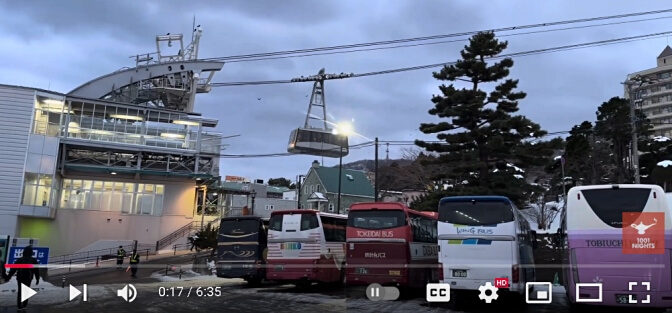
x=482 y=238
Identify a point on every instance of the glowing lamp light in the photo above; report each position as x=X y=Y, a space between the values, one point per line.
x=172 y=136
x=344 y=128
x=126 y=117
x=183 y=122
x=73 y=127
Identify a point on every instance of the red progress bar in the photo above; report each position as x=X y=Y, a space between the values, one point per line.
x=19 y=265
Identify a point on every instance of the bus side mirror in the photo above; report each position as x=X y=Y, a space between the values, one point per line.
x=535 y=244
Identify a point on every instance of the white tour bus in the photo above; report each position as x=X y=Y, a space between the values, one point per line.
x=482 y=238
x=306 y=246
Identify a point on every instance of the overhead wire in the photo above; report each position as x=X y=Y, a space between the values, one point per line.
x=400 y=143
x=438 y=42
x=434 y=37
x=435 y=65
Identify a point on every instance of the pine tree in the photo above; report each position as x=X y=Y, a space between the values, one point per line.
x=614 y=124
x=482 y=134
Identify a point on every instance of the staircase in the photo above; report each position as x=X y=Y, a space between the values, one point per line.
x=181 y=233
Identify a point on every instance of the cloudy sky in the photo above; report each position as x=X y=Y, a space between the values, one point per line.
x=62 y=46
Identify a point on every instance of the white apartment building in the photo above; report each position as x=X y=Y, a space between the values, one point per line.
x=656 y=97
x=122 y=157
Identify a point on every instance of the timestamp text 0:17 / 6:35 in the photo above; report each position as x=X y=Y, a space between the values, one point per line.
x=178 y=291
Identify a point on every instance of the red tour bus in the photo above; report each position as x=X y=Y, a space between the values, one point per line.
x=390 y=244
x=306 y=246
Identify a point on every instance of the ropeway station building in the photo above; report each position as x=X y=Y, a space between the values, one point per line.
x=122 y=157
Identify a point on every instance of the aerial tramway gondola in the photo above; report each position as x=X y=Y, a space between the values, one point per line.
x=318 y=141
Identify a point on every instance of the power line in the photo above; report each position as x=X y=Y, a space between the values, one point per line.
x=404 y=143
x=425 y=38
x=510 y=55
x=437 y=42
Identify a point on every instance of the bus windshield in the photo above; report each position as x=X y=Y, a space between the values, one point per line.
x=377 y=219
x=239 y=230
x=308 y=221
x=476 y=213
x=609 y=204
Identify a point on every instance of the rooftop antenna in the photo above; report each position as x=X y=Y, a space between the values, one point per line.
x=193 y=28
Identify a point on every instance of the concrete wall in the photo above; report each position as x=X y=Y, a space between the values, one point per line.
x=16 y=113
x=72 y=230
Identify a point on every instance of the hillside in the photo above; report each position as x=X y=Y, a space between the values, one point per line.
x=369 y=165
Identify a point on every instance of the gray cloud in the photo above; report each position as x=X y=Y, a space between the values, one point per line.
x=65 y=45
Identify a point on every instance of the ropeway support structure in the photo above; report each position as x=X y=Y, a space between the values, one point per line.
x=160 y=79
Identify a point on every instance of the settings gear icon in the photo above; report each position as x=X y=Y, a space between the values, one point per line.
x=493 y=292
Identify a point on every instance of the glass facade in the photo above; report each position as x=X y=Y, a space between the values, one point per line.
x=37 y=190
x=129 y=198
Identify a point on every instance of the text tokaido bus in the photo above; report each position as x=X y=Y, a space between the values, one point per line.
x=390 y=244
x=482 y=238
x=306 y=246
x=241 y=248
x=618 y=237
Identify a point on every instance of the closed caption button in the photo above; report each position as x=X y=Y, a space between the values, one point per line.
x=438 y=293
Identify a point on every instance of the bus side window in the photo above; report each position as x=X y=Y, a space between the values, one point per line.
x=334 y=229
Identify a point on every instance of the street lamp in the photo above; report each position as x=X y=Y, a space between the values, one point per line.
x=639 y=81
x=253 y=194
x=343 y=129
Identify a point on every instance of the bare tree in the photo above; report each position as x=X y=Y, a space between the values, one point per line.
x=541 y=211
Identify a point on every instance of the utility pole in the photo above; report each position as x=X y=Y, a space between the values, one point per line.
x=375 y=173
x=340 y=176
x=635 y=148
x=639 y=80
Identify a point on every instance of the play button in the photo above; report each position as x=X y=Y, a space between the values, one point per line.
x=26 y=292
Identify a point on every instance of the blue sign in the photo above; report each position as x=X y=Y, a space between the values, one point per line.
x=39 y=253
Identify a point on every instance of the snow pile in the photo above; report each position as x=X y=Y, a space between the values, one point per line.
x=665 y=163
x=661 y=139
x=518 y=169
x=47 y=294
x=518 y=176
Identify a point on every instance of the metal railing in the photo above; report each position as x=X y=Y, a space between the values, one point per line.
x=174 y=236
x=98 y=255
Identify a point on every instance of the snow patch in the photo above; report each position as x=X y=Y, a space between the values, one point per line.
x=665 y=163
x=661 y=139
x=557 y=157
x=518 y=176
x=518 y=169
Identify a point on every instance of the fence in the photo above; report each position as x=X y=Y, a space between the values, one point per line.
x=99 y=255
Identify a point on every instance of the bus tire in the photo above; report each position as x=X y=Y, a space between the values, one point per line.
x=253 y=282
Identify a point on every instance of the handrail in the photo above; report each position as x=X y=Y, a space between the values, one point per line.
x=95 y=254
x=172 y=237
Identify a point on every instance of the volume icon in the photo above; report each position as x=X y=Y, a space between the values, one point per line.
x=127 y=293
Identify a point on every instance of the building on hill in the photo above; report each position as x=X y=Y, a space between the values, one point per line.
x=656 y=98
x=405 y=196
x=319 y=191
x=260 y=200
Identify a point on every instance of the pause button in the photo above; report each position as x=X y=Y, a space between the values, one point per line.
x=376 y=292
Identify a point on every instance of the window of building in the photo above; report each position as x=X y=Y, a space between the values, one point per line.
x=121 y=197
x=269 y=207
x=655 y=89
x=664 y=75
x=312 y=188
x=317 y=189
x=37 y=189
x=668 y=86
x=306 y=189
x=655 y=99
x=656 y=111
